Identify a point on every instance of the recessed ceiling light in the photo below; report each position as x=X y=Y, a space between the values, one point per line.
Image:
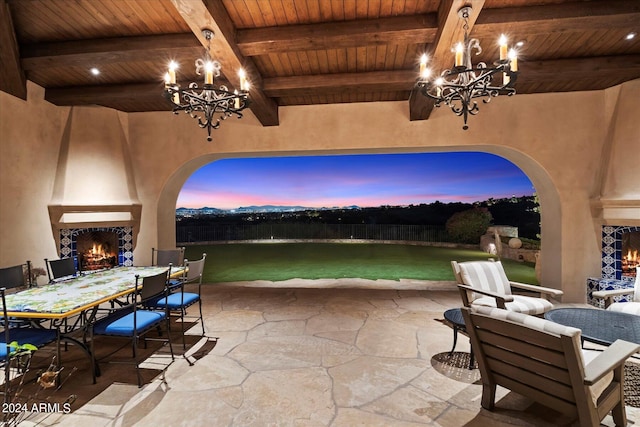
x=95 y=71
x=520 y=43
x=630 y=36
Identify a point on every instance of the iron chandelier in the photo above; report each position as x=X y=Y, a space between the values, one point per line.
x=208 y=104
x=459 y=86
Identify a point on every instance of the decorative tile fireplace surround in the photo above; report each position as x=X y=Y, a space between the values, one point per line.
x=612 y=257
x=69 y=236
x=68 y=222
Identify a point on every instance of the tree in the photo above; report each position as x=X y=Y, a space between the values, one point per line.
x=467 y=226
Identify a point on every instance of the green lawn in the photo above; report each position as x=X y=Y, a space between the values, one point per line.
x=282 y=261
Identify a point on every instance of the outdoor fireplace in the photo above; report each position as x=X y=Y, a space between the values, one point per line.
x=97 y=250
x=97 y=236
x=620 y=255
x=620 y=247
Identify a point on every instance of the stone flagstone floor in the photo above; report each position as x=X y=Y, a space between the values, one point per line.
x=351 y=353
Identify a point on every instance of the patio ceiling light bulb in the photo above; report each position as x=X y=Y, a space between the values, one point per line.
x=208 y=73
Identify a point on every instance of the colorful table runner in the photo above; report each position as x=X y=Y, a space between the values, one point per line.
x=80 y=291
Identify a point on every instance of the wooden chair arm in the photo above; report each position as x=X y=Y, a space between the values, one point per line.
x=500 y=299
x=607 y=296
x=555 y=293
x=605 y=362
x=612 y=293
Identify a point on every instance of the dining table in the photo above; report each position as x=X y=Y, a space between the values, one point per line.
x=71 y=305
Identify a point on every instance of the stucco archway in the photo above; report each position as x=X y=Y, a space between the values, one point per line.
x=547 y=193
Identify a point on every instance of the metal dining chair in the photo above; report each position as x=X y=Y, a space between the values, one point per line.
x=16 y=335
x=164 y=257
x=136 y=319
x=16 y=276
x=179 y=301
x=60 y=268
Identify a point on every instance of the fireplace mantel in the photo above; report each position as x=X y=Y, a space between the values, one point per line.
x=616 y=211
x=94 y=216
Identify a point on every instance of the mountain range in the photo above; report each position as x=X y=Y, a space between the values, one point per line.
x=247 y=209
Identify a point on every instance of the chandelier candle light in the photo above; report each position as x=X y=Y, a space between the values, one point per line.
x=208 y=104
x=460 y=85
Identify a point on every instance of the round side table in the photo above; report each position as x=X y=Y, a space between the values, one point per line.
x=454 y=318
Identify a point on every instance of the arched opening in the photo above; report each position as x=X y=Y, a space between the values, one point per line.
x=549 y=202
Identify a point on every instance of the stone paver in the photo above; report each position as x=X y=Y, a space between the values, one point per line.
x=298 y=356
x=368 y=378
x=284 y=397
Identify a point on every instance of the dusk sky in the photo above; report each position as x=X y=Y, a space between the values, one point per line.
x=365 y=180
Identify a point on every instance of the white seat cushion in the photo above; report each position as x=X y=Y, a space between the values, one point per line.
x=626 y=307
x=520 y=304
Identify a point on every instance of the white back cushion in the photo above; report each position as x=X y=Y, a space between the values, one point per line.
x=485 y=275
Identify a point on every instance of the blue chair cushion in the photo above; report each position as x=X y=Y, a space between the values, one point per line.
x=176 y=301
x=33 y=336
x=3 y=350
x=174 y=284
x=121 y=324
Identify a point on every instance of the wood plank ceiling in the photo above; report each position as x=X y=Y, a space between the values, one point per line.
x=300 y=52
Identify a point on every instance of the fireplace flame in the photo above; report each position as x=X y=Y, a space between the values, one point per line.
x=97 y=256
x=99 y=251
x=629 y=263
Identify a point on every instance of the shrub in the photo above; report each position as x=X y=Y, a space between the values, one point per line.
x=467 y=226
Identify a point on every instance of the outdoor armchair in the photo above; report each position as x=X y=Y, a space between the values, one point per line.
x=484 y=283
x=631 y=307
x=544 y=361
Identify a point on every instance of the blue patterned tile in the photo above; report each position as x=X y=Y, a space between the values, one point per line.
x=612 y=250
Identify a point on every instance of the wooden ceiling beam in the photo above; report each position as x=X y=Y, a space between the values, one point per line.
x=103 y=51
x=106 y=94
x=572 y=69
x=558 y=18
x=339 y=83
x=398 y=30
x=12 y=77
x=449 y=33
x=211 y=14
